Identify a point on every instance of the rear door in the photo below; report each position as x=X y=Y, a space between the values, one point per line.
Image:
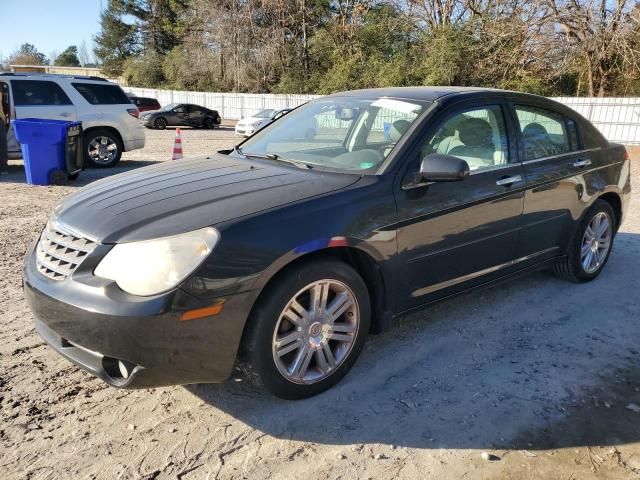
x=196 y=115
x=554 y=163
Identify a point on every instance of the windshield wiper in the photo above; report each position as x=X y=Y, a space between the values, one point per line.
x=271 y=156
x=268 y=156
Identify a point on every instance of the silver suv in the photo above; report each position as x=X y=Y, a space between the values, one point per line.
x=108 y=117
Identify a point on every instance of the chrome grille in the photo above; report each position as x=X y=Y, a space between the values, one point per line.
x=58 y=254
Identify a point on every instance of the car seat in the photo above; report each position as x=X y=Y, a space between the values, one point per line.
x=477 y=146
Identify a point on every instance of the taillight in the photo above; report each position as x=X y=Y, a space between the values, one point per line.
x=625 y=156
x=133 y=112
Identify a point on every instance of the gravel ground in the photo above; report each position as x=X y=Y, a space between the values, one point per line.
x=528 y=379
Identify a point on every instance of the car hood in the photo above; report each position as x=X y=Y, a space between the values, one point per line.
x=179 y=196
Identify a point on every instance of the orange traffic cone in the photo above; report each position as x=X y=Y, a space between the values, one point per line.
x=177 y=146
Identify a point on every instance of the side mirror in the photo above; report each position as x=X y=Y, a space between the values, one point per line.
x=443 y=168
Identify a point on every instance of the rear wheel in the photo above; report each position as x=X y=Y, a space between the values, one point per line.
x=590 y=246
x=309 y=328
x=103 y=148
x=209 y=123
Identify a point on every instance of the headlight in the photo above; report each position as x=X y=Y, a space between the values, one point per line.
x=255 y=124
x=155 y=266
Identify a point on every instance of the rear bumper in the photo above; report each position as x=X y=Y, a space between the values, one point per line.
x=95 y=330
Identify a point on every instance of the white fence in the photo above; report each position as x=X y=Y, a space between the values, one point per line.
x=617 y=118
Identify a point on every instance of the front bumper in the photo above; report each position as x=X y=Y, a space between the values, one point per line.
x=245 y=131
x=96 y=326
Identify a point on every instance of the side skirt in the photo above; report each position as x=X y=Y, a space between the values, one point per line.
x=510 y=276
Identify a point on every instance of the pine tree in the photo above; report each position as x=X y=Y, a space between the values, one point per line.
x=117 y=40
x=68 y=58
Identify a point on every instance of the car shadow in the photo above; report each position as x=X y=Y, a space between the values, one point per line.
x=532 y=363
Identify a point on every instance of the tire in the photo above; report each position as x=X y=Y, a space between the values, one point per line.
x=160 y=123
x=106 y=156
x=575 y=267
x=208 y=123
x=269 y=328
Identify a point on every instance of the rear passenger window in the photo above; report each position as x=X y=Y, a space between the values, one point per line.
x=545 y=133
x=38 y=93
x=102 y=94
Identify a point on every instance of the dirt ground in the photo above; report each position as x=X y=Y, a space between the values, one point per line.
x=536 y=372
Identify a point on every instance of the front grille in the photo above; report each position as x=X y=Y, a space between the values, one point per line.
x=58 y=254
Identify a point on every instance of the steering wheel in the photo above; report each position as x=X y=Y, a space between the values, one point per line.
x=387 y=145
x=538 y=148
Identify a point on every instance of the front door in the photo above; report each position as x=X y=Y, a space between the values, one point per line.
x=179 y=116
x=41 y=99
x=5 y=97
x=38 y=99
x=453 y=233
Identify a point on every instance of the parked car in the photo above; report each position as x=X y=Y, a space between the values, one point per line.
x=181 y=115
x=289 y=252
x=249 y=125
x=145 y=104
x=108 y=117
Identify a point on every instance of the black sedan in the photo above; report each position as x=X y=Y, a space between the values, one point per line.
x=288 y=251
x=181 y=115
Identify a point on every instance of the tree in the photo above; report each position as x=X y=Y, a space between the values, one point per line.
x=27 y=54
x=598 y=36
x=68 y=58
x=117 y=40
x=83 y=54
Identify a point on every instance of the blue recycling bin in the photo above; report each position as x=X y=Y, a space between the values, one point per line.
x=43 y=145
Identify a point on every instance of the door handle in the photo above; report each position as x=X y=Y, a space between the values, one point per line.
x=582 y=163
x=65 y=114
x=505 y=182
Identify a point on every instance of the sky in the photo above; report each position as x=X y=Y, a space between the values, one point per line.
x=50 y=25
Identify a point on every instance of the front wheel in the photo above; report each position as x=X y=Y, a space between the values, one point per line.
x=308 y=329
x=591 y=245
x=209 y=123
x=160 y=123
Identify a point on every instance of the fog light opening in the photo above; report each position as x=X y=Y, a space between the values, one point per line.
x=124 y=370
x=118 y=370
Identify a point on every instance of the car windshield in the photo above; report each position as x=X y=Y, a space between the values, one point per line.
x=341 y=133
x=171 y=106
x=265 y=113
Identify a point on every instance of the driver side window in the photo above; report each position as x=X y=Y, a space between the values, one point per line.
x=477 y=135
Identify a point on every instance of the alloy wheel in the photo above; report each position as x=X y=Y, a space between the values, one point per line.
x=102 y=150
x=316 y=331
x=596 y=242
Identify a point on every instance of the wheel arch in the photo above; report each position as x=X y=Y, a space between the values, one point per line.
x=362 y=262
x=110 y=129
x=614 y=200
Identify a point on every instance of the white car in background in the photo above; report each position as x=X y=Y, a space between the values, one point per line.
x=250 y=125
x=109 y=119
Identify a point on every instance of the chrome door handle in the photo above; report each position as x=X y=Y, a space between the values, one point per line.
x=65 y=114
x=509 y=180
x=582 y=163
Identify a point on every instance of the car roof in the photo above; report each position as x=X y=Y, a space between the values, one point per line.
x=427 y=94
